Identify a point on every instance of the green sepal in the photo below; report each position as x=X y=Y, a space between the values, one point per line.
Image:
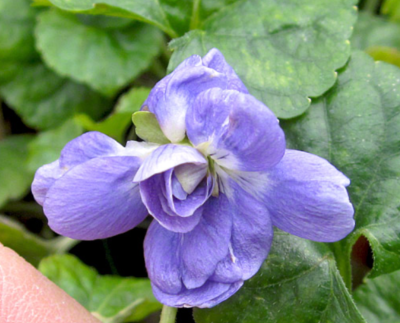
x=147 y=127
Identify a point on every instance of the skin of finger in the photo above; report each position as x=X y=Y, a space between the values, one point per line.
x=26 y=296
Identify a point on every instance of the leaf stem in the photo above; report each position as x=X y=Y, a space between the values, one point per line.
x=371 y=6
x=171 y=33
x=194 y=21
x=343 y=264
x=168 y=314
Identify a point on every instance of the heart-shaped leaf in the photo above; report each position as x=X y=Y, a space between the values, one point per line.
x=42 y=98
x=105 y=53
x=284 y=51
x=298 y=283
x=356 y=126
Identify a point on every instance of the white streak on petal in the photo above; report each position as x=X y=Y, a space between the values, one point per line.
x=140 y=149
x=190 y=176
x=233 y=258
x=255 y=183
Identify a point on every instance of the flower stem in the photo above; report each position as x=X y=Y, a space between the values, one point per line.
x=62 y=245
x=2 y=124
x=168 y=314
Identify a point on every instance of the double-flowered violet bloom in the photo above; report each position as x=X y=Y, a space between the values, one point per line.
x=215 y=191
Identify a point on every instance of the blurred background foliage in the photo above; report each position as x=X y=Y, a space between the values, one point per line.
x=64 y=72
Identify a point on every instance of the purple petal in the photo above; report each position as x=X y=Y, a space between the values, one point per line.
x=215 y=60
x=192 y=61
x=207 y=244
x=170 y=100
x=166 y=157
x=96 y=199
x=44 y=178
x=159 y=89
x=227 y=271
x=241 y=132
x=173 y=95
x=161 y=249
x=206 y=116
x=208 y=295
x=83 y=148
x=87 y=146
x=172 y=258
x=210 y=262
x=251 y=240
x=306 y=196
x=193 y=201
x=153 y=195
x=177 y=189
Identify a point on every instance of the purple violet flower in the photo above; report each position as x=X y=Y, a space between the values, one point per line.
x=215 y=196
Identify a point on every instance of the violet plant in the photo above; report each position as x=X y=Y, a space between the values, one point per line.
x=252 y=142
x=215 y=191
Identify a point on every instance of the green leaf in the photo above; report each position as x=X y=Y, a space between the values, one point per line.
x=47 y=145
x=374 y=31
x=45 y=100
x=378 y=299
x=149 y=11
x=38 y=3
x=188 y=15
x=356 y=126
x=31 y=247
x=378 y=37
x=392 y=8
x=26 y=244
x=112 y=299
x=174 y=17
x=178 y=14
x=17 y=21
x=284 y=52
x=114 y=126
x=147 y=127
x=118 y=122
x=385 y=54
x=132 y=100
x=299 y=282
x=15 y=177
x=105 y=53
